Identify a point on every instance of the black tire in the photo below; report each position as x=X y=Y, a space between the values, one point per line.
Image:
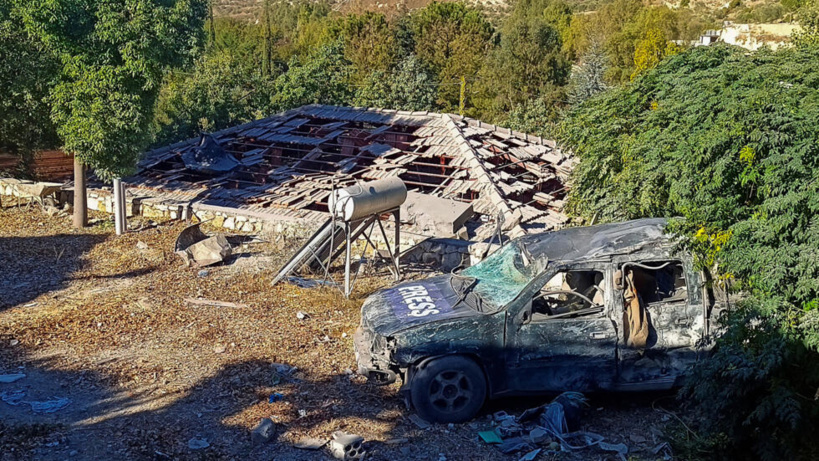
x=450 y=389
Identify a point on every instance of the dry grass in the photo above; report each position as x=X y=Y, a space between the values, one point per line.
x=104 y=323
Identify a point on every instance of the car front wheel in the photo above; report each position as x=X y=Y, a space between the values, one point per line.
x=450 y=389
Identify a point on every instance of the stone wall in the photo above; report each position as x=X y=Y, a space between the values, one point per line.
x=441 y=253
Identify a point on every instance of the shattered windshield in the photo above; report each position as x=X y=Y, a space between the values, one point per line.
x=504 y=274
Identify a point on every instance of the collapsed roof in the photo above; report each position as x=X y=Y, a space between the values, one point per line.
x=286 y=166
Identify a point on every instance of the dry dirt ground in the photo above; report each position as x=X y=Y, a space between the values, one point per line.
x=102 y=320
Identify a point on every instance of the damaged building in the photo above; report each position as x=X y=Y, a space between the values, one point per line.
x=284 y=168
x=466 y=179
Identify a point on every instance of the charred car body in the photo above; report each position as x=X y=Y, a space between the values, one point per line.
x=609 y=307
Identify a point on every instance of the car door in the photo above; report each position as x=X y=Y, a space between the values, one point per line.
x=566 y=350
x=670 y=295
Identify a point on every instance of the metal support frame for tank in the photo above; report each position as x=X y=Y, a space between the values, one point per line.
x=394 y=252
x=353 y=230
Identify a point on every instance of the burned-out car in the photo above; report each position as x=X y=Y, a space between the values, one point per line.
x=610 y=307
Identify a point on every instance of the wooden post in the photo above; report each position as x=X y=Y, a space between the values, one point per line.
x=80 y=202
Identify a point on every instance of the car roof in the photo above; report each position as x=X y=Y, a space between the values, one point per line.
x=598 y=242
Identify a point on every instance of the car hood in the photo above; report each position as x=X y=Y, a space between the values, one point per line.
x=413 y=304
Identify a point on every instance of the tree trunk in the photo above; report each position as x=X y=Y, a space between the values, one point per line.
x=80 y=203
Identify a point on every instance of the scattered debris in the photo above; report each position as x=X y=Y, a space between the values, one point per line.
x=309 y=443
x=539 y=436
x=275 y=397
x=10 y=378
x=198 y=443
x=203 y=273
x=619 y=448
x=14 y=342
x=514 y=445
x=347 y=446
x=142 y=245
x=15 y=398
x=219 y=349
x=531 y=455
x=263 y=431
x=637 y=438
x=210 y=302
x=302 y=282
x=302 y=315
x=420 y=422
x=398 y=441
x=490 y=437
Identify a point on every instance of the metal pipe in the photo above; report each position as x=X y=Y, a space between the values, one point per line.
x=119 y=212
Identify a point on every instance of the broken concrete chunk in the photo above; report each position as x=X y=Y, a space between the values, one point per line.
x=435 y=216
x=263 y=432
x=210 y=251
x=347 y=446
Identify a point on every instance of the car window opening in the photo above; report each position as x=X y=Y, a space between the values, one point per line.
x=570 y=294
x=644 y=285
x=659 y=282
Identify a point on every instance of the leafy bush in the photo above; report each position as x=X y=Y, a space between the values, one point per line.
x=730 y=141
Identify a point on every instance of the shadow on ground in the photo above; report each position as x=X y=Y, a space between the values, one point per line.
x=56 y=257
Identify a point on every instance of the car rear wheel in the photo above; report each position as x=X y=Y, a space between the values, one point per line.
x=449 y=389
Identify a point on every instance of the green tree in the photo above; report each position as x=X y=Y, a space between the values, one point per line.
x=369 y=43
x=113 y=58
x=452 y=39
x=529 y=62
x=410 y=86
x=28 y=72
x=324 y=77
x=651 y=50
x=809 y=20
x=222 y=90
x=729 y=140
x=588 y=78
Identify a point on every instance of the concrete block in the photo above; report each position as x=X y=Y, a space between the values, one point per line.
x=435 y=216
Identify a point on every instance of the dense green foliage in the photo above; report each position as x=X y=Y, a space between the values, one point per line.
x=730 y=141
x=27 y=76
x=113 y=57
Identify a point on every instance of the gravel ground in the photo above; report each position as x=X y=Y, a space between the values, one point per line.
x=103 y=321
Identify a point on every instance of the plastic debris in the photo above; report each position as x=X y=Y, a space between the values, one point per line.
x=619 y=448
x=15 y=398
x=514 y=445
x=531 y=455
x=197 y=443
x=490 y=437
x=275 y=397
x=10 y=378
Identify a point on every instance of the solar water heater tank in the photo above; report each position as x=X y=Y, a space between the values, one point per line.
x=365 y=199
